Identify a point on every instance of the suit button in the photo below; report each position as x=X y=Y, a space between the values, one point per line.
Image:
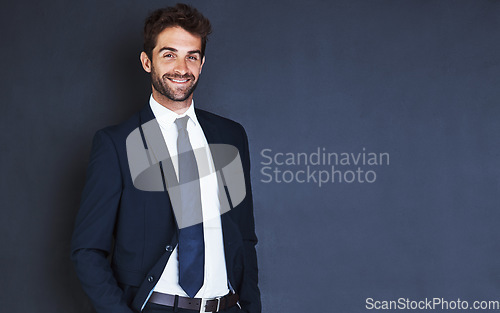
x=150 y=279
x=169 y=248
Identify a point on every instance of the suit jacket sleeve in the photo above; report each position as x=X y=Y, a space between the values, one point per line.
x=92 y=238
x=249 y=293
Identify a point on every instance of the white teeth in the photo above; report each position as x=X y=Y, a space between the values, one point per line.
x=179 y=81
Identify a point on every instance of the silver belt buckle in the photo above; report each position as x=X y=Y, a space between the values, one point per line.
x=218 y=303
x=203 y=305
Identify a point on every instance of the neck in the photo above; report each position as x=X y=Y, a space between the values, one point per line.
x=178 y=107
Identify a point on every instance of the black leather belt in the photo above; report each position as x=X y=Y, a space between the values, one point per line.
x=197 y=304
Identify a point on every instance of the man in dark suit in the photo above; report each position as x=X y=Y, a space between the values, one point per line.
x=160 y=262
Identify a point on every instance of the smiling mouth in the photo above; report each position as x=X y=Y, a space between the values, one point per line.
x=179 y=81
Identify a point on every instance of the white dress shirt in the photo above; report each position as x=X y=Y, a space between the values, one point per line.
x=215 y=282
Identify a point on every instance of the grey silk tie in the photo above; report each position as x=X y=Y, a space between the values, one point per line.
x=191 y=242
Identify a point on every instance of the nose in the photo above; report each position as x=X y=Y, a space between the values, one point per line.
x=181 y=67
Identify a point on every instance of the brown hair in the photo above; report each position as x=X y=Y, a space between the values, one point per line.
x=182 y=15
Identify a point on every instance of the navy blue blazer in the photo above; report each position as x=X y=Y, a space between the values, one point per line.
x=138 y=229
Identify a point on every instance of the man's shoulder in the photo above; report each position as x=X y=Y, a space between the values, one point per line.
x=218 y=120
x=122 y=130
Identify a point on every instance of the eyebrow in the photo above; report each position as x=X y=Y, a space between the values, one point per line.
x=175 y=50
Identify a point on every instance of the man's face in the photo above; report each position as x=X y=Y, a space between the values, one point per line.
x=176 y=63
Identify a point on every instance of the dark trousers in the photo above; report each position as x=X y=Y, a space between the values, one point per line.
x=157 y=308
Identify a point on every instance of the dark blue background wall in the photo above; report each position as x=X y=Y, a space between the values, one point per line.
x=418 y=80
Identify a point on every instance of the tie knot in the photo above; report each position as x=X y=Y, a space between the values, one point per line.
x=182 y=122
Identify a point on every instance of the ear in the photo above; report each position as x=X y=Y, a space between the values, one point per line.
x=202 y=62
x=146 y=62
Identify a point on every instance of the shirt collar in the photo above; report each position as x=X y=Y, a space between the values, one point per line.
x=167 y=117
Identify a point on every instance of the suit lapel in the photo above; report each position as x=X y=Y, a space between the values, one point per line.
x=209 y=127
x=146 y=114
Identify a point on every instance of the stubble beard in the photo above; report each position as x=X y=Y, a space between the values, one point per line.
x=160 y=84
